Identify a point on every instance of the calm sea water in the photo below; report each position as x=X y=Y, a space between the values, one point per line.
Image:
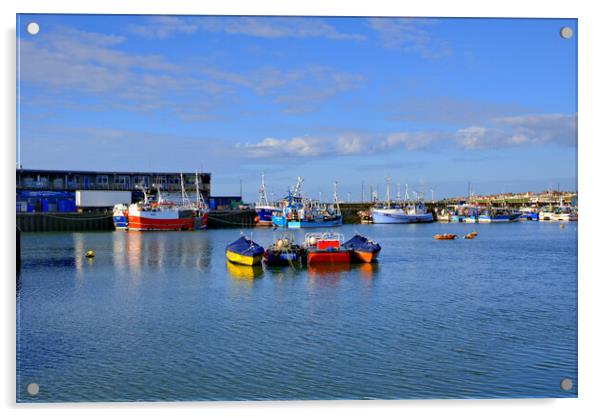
x=160 y=316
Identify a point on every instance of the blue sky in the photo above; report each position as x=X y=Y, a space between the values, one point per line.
x=434 y=103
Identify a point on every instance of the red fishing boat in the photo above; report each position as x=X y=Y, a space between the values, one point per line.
x=325 y=248
x=167 y=215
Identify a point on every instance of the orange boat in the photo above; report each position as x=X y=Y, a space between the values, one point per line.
x=325 y=248
x=471 y=235
x=362 y=249
x=445 y=236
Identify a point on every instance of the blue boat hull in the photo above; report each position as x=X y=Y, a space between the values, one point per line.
x=296 y=224
x=120 y=222
x=264 y=216
x=529 y=216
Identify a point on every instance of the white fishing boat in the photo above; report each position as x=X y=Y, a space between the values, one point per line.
x=401 y=212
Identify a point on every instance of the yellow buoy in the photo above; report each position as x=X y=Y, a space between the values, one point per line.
x=90 y=254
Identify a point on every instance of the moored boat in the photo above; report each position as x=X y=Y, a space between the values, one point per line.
x=120 y=216
x=161 y=214
x=284 y=252
x=498 y=215
x=528 y=214
x=365 y=216
x=362 y=249
x=445 y=236
x=470 y=235
x=563 y=214
x=264 y=209
x=400 y=213
x=299 y=212
x=325 y=248
x=244 y=251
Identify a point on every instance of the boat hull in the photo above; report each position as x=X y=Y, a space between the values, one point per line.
x=240 y=259
x=282 y=258
x=264 y=215
x=120 y=222
x=363 y=256
x=499 y=219
x=328 y=257
x=296 y=224
x=528 y=217
x=394 y=217
x=150 y=222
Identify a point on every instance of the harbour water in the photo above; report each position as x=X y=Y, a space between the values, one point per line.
x=159 y=316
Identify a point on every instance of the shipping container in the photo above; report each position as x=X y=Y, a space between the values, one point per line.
x=93 y=198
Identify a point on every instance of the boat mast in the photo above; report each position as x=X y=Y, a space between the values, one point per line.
x=200 y=201
x=182 y=186
x=263 y=199
x=297 y=189
x=388 y=180
x=398 y=193
x=336 y=199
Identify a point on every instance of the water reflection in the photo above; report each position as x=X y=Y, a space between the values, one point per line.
x=244 y=272
x=326 y=274
x=367 y=271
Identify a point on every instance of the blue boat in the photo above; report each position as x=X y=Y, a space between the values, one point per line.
x=264 y=209
x=244 y=251
x=529 y=215
x=362 y=249
x=284 y=252
x=120 y=217
x=497 y=215
x=299 y=212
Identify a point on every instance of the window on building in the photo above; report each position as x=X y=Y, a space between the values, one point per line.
x=102 y=179
x=122 y=179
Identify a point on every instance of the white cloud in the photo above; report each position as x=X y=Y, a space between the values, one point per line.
x=296 y=146
x=162 y=27
x=560 y=129
x=409 y=35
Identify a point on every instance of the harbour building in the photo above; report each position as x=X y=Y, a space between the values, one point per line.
x=40 y=190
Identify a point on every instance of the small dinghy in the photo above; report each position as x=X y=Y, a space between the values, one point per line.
x=284 y=252
x=244 y=251
x=445 y=236
x=362 y=249
x=471 y=235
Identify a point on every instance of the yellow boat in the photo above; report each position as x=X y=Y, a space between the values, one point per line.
x=244 y=252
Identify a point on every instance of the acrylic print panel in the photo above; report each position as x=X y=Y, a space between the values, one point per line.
x=147 y=145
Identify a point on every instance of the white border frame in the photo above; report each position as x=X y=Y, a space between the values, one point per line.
x=590 y=70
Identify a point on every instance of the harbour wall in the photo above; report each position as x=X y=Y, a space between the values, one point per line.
x=103 y=221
